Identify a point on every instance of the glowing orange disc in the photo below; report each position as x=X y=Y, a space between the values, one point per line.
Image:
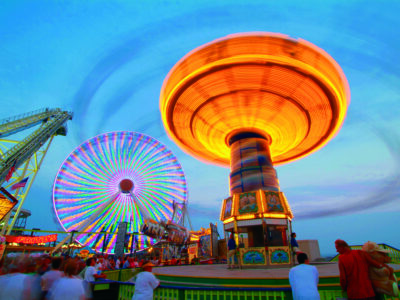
x=288 y=90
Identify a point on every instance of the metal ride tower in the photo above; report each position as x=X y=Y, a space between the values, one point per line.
x=252 y=101
x=22 y=158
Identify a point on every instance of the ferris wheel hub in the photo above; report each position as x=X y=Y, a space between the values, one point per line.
x=126 y=186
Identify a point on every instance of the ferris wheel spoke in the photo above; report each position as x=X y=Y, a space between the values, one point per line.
x=144 y=174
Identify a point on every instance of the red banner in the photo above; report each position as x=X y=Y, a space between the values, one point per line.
x=31 y=239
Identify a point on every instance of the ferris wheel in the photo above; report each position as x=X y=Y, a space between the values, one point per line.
x=117 y=177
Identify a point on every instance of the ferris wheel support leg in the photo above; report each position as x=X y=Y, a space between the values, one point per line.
x=86 y=223
x=141 y=208
x=188 y=218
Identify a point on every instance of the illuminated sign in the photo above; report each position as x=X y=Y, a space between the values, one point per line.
x=31 y=239
x=84 y=253
x=7 y=203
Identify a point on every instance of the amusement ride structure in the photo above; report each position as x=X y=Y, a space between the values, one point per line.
x=21 y=158
x=120 y=177
x=252 y=101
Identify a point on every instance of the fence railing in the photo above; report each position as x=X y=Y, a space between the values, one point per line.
x=122 y=275
x=126 y=291
x=331 y=291
x=21 y=116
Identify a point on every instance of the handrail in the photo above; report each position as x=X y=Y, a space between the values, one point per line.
x=18 y=154
x=21 y=122
x=126 y=291
x=388 y=246
x=21 y=116
x=217 y=288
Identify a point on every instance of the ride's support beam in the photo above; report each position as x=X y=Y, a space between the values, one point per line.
x=133 y=238
x=70 y=242
x=17 y=155
x=235 y=228
x=20 y=200
x=12 y=125
x=104 y=243
x=174 y=206
x=89 y=221
x=251 y=164
x=140 y=207
x=186 y=213
x=35 y=162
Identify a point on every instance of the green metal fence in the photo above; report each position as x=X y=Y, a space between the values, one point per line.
x=121 y=275
x=329 y=289
x=180 y=293
x=393 y=253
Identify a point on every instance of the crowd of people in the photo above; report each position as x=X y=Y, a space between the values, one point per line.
x=364 y=274
x=63 y=277
x=60 y=277
x=43 y=277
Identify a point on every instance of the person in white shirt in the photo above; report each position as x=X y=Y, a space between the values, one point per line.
x=91 y=272
x=17 y=285
x=51 y=276
x=154 y=261
x=118 y=263
x=14 y=286
x=100 y=265
x=145 y=283
x=69 y=287
x=304 y=280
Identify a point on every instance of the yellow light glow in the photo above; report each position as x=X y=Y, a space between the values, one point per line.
x=275 y=216
x=245 y=217
x=229 y=220
x=197 y=234
x=222 y=213
x=235 y=199
x=286 y=205
x=261 y=196
x=289 y=90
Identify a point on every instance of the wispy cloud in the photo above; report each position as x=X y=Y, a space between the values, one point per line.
x=354 y=196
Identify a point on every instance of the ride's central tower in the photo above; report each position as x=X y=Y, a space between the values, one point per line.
x=251 y=164
x=250 y=102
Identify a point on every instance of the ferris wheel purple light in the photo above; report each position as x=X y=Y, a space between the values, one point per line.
x=108 y=175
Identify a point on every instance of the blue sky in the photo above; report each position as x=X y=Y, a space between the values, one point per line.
x=106 y=62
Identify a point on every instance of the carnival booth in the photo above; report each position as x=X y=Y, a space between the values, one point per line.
x=204 y=243
x=26 y=244
x=261 y=223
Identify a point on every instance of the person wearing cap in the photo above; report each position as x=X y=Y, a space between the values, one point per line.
x=353 y=271
x=145 y=283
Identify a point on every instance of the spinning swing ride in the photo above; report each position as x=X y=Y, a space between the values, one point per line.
x=252 y=101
